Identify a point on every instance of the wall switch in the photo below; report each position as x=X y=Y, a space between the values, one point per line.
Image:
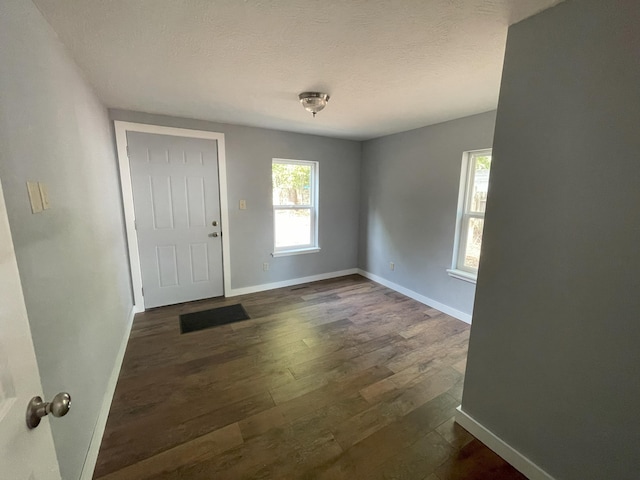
x=265 y=266
x=34 y=197
x=392 y=266
x=44 y=195
x=243 y=204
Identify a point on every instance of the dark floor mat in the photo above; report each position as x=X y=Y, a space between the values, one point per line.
x=192 y=322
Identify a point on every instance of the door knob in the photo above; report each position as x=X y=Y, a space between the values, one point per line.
x=58 y=407
x=214 y=234
x=214 y=223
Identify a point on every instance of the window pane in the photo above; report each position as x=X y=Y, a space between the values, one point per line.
x=473 y=243
x=293 y=227
x=480 y=183
x=291 y=184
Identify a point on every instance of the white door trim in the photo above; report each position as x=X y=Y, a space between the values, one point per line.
x=121 y=129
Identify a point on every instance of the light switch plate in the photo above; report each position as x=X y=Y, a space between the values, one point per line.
x=44 y=195
x=243 y=204
x=34 y=197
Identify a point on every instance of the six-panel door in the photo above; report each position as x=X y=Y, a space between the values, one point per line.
x=176 y=201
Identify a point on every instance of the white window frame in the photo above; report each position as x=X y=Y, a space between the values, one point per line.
x=464 y=215
x=313 y=208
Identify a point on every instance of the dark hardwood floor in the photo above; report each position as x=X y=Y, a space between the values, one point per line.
x=339 y=379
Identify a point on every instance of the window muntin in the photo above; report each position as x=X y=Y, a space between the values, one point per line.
x=476 y=171
x=295 y=204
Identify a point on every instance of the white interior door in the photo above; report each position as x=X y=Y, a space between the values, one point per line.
x=177 y=210
x=24 y=454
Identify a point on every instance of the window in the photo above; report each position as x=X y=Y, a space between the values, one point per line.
x=474 y=184
x=295 y=206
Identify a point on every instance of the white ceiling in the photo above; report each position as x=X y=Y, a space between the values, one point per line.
x=389 y=65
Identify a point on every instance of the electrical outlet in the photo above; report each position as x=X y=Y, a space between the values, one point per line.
x=265 y=266
x=243 y=204
x=392 y=266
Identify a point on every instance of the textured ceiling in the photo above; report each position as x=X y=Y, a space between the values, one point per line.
x=389 y=65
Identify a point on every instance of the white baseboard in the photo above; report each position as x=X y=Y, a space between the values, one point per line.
x=516 y=459
x=98 y=431
x=288 y=283
x=465 y=317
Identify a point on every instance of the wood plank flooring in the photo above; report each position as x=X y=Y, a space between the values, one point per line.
x=339 y=379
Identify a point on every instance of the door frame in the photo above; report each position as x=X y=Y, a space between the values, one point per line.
x=121 y=129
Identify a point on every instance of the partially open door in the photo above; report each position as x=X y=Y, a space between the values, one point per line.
x=25 y=454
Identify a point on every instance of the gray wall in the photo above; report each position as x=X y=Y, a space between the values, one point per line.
x=410 y=184
x=249 y=152
x=72 y=258
x=553 y=358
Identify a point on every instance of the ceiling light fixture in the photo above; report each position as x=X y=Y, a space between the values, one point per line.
x=313 y=101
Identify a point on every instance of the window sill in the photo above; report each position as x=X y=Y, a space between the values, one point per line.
x=296 y=251
x=462 y=275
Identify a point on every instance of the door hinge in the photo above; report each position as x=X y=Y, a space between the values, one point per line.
x=142 y=291
x=128 y=156
x=135 y=224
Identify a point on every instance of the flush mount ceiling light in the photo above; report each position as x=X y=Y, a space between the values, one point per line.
x=313 y=101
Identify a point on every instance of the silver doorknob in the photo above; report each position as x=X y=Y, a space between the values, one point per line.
x=214 y=234
x=58 y=407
